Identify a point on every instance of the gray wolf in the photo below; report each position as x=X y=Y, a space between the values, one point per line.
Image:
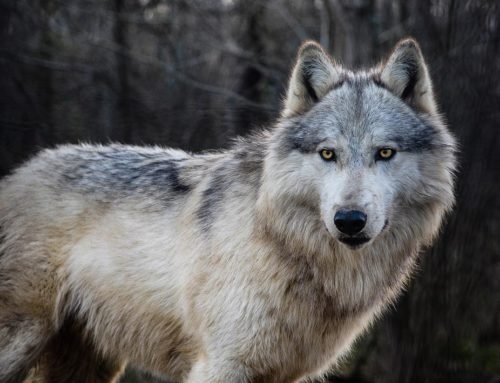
x=261 y=263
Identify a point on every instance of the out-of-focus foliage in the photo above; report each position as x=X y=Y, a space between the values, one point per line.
x=195 y=73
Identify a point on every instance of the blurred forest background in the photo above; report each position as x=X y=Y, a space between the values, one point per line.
x=195 y=73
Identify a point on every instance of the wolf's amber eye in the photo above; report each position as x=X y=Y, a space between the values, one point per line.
x=385 y=154
x=327 y=154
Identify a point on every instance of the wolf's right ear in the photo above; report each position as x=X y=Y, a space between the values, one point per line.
x=313 y=75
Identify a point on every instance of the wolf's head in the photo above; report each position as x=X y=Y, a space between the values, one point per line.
x=365 y=153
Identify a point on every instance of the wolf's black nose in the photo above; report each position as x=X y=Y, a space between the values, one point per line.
x=350 y=222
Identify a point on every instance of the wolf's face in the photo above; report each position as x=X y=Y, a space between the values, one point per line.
x=361 y=148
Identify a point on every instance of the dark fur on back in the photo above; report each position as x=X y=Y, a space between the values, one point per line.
x=127 y=170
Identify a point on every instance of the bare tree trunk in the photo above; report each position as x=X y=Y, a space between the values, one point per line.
x=354 y=34
x=250 y=84
x=124 y=128
x=45 y=83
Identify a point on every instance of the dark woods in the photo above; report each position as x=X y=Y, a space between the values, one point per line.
x=194 y=74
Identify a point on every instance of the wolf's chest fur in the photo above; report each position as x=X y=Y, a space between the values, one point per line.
x=292 y=308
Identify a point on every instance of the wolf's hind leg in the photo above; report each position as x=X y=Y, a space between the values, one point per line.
x=21 y=342
x=71 y=356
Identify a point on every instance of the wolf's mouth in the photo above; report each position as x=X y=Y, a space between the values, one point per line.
x=354 y=242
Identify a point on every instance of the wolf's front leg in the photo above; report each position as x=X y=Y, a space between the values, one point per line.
x=230 y=371
x=217 y=371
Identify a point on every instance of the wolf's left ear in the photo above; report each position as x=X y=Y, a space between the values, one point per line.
x=405 y=74
x=313 y=75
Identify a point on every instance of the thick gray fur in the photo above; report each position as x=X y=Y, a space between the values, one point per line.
x=226 y=266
